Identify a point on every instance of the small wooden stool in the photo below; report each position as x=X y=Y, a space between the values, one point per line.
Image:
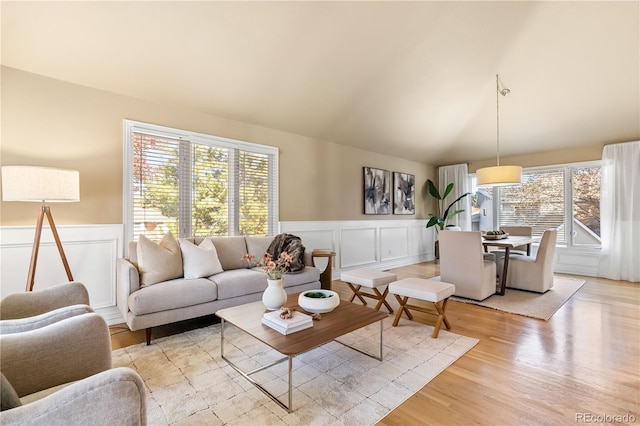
x=434 y=291
x=358 y=278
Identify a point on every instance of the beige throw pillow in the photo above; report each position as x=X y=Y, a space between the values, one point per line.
x=201 y=260
x=158 y=262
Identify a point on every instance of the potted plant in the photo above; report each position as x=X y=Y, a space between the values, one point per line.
x=443 y=215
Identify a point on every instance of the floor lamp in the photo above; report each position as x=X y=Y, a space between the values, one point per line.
x=41 y=184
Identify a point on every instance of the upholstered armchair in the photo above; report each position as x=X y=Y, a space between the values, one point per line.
x=462 y=263
x=56 y=366
x=33 y=303
x=533 y=273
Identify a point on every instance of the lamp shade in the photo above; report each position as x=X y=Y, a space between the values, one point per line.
x=499 y=176
x=39 y=184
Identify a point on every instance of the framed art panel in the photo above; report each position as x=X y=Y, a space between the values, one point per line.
x=377 y=191
x=404 y=193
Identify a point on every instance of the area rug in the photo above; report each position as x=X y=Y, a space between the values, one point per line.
x=188 y=383
x=534 y=305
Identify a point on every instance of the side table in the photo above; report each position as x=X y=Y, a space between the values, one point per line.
x=325 y=276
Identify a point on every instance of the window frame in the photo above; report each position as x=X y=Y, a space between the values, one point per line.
x=567 y=170
x=131 y=126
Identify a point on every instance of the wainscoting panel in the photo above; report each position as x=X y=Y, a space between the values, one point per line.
x=375 y=244
x=358 y=247
x=579 y=261
x=91 y=251
x=394 y=243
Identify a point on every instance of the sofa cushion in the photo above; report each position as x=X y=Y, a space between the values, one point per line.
x=258 y=246
x=172 y=294
x=201 y=260
x=307 y=275
x=230 y=251
x=160 y=261
x=239 y=282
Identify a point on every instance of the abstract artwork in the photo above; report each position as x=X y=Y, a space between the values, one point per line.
x=404 y=193
x=377 y=191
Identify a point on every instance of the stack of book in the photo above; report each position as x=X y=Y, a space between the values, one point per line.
x=297 y=322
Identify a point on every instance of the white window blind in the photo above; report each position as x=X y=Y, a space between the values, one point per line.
x=539 y=202
x=194 y=184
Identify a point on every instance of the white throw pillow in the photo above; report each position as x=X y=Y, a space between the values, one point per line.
x=158 y=262
x=199 y=261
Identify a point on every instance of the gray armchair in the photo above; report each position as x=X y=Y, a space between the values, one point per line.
x=29 y=304
x=56 y=368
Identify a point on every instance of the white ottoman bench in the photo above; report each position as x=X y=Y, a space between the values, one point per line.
x=434 y=291
x=358 y=278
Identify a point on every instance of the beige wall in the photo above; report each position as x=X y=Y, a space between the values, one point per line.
x=46 y=122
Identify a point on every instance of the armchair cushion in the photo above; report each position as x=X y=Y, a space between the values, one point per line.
x=66 y=351
x=8 y=398
x=116 y=396
x=32 y=323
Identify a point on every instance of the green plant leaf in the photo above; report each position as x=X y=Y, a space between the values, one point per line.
x=447 y=190
x=446 y=212
x=433 y=221
x=433 y=190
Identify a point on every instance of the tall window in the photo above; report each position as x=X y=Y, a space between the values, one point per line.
x=195 y=184
x=538 y=202
x=566 y=198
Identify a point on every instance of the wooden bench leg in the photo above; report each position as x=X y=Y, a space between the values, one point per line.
x=356 y=292
x=402 y=301
x=382 y=299
x=441 y=307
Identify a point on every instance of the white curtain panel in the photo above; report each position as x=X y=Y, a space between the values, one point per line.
x=620 y=212
x=459 y=175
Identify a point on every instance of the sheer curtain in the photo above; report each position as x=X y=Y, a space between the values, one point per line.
x=459 y=175
x=620 y=212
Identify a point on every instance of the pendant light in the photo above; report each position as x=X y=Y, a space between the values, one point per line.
x=499 y=175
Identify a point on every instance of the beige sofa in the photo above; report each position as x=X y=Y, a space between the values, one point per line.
x=177 y=299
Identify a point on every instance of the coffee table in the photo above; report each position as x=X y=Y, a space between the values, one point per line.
x=344 y=319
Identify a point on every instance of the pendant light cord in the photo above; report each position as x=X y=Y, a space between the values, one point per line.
x=503 y=92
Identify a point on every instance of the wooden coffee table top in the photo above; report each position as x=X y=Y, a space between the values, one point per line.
x=345 y=318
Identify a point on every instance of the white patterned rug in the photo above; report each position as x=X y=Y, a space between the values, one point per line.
x=189 y=384
x=535 y=305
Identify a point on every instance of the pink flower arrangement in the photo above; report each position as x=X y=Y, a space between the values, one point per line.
x=273 y=268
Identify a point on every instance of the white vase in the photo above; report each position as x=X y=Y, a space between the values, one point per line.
x=274 y=297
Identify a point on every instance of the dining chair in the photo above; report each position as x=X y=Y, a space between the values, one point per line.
x=515 y=230
x=519 y=231
x=533 y=273
x=463 y=265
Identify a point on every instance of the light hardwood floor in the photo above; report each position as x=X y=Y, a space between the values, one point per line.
x=585 y=359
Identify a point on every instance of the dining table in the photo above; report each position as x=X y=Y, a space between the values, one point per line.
x=507 y=243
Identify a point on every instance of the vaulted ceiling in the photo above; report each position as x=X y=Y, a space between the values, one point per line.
x=410 y=79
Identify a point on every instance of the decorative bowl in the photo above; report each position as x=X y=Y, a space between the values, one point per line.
x=496 y=237
x=318 y=301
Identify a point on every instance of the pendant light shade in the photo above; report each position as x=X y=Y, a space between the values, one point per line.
x=499 y=175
